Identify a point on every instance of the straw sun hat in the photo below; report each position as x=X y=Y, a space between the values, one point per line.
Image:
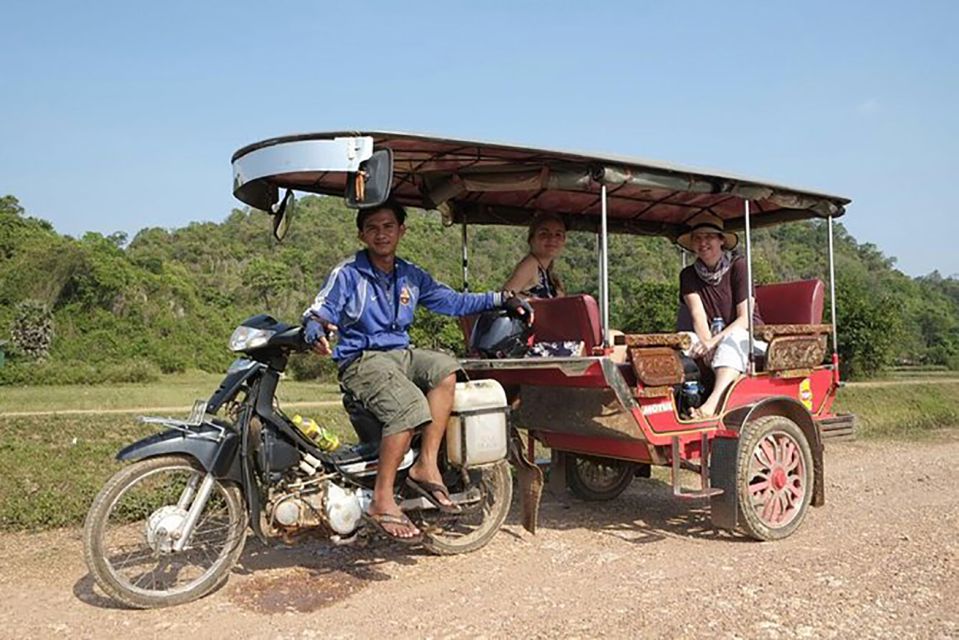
x=706 y=222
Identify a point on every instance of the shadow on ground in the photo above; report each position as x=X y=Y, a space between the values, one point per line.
x=310 y=572
x=305 y=575
x=645 y=513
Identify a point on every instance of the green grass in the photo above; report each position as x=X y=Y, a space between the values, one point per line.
x=53 y=466
x=919 y=368
x=179 y=390
x=916 y=373
x=901 y=411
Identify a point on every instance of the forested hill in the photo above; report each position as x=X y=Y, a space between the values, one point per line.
x=168 y=300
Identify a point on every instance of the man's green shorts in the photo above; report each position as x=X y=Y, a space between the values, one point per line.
x=392 y=384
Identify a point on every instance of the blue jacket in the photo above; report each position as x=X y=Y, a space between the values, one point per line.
x=374 y=310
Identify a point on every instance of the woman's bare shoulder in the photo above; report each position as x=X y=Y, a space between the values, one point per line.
x=526 y=266
x=524 y=274
x=528 y=261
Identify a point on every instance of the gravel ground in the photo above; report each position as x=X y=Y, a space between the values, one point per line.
x=879 y=560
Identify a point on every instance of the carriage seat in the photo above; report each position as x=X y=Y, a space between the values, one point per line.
x=557 y=319
x=796 y=302
x=793 y=329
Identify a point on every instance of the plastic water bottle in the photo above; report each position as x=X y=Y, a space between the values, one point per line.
x=325 y=439
x=717 y=326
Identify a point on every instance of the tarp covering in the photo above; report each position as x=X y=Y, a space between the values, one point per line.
x=489 y=183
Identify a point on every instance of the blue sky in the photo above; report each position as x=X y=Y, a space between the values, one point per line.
x=116 y=116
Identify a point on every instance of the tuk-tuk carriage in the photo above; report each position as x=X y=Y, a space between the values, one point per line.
x=605 y=417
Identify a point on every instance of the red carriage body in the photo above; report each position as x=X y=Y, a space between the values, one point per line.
x=609 y=413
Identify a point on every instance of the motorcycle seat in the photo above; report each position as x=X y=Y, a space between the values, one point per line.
x=368 y=428
x=361 y=452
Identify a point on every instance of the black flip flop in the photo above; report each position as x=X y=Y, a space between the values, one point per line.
x=379 y=519
x=428 y=491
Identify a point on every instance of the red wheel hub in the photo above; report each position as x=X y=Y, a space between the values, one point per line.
x=779 y=479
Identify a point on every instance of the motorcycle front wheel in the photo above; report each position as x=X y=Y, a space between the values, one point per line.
x=132 y=526
x=450 y=534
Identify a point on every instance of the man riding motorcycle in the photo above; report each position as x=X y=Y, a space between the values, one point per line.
x=370 y=299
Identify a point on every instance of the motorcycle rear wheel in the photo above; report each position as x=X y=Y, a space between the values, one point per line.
x=124 y=541
x=479 y=522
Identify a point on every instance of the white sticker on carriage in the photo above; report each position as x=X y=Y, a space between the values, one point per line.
x=659 y=407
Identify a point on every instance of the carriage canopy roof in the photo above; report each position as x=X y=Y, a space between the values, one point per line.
x=492 y=183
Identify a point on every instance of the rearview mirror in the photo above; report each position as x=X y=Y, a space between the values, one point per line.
x=283 y=215
x=370 y=186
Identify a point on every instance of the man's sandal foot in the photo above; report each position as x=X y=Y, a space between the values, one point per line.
x=387 y=524
x=429 y=490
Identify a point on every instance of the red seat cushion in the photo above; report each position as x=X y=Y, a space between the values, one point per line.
x=567 y=318
x=797 y=302
x=556 y=319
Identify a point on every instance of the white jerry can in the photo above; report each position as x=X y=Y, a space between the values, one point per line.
x=476 y=433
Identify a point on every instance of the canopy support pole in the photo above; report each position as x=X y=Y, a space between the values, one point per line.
x=751 y=368
x=832 y=304
x=466 y=283
x=604 y=272
x=601 y=279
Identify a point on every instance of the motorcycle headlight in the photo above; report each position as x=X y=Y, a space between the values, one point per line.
x=247 y=338
x=241 y=364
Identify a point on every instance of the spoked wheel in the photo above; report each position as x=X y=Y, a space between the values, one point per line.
x=133 y=525
x=598 y=479
x=775 y=478
x=449 y=534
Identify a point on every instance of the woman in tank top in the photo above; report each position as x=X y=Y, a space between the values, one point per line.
x=535 y=277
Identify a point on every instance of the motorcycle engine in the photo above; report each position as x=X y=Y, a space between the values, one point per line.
x=338 y=507
x=295 y=510
x=345 y=506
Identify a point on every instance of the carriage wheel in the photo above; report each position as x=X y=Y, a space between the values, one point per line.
x=775 y=477
x=597 y=479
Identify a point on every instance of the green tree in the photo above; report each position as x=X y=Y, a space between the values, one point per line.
x=32 y=330
x=266 y=278
x=869 y=328
x=434 y=331
x=169 y=298
x=651 y=308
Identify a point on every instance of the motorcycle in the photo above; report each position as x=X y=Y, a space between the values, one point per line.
x=168 y=528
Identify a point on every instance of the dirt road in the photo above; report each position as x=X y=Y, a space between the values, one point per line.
x=880 y=560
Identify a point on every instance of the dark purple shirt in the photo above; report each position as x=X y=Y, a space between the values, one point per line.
x=719 y=300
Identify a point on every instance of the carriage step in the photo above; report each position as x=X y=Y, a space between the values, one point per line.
x=704 y=491
x=841 y=427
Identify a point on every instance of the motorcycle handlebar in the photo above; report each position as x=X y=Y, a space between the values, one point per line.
x=291 y=339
